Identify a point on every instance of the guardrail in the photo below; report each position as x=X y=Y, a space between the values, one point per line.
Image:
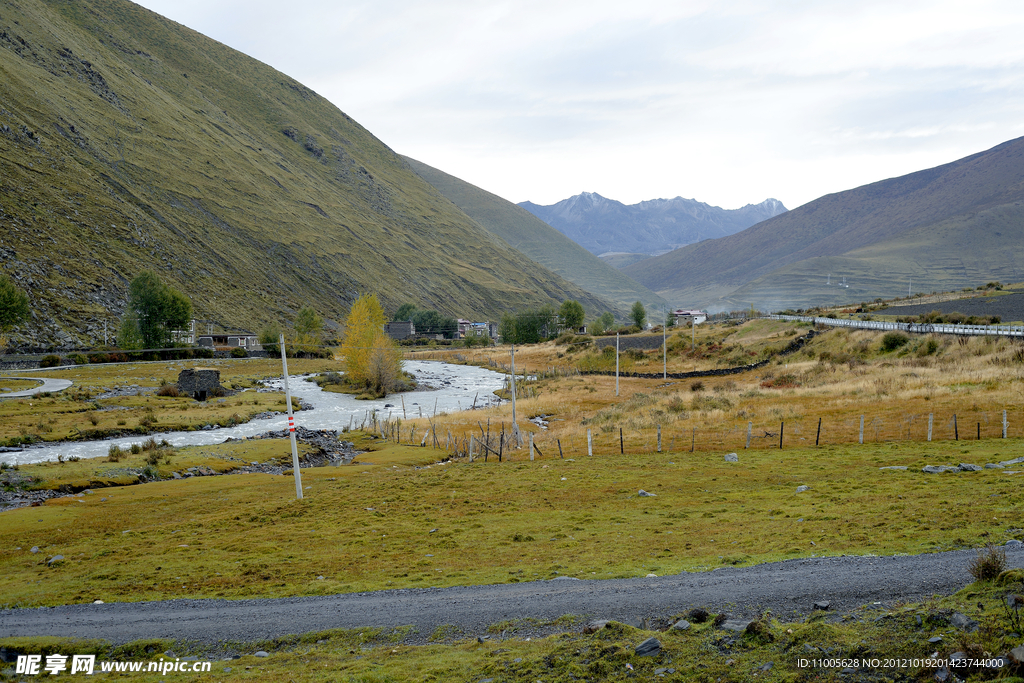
x=915 y=328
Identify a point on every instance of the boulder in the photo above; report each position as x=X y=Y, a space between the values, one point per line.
x=651 y=646
x=967 y=467
x=732 y=457
x=680 y=625
x=595 y=625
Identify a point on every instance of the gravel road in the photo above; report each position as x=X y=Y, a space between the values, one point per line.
x=789 y=589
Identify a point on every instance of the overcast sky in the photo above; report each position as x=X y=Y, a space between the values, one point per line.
x=726 y=102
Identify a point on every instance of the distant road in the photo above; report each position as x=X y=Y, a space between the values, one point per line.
x=47 y=385
x=789 y=589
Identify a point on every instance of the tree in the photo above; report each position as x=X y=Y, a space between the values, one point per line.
x=638 y=314
x=270 y=337
x=572 y=314
x=154 y=310
x=308 y=322
x=372 y=358
x=670 y=319
x=13 y=305
x=527 y=327
x=607 y=320
x=404 y=312
x=431 y=322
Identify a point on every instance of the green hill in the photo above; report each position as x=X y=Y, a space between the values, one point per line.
x=952 y=226
x=538 y=240
x=128 y=142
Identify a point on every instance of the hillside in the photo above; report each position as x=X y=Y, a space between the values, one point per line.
x=651 y=227
x=130 y=142
x=538 y=240
x=948 y=227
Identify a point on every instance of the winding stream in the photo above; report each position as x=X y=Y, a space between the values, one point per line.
x=455 y=387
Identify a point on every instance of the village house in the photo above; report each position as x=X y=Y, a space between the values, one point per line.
x=686 y=317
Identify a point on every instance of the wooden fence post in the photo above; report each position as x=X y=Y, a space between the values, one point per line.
x=622 y=449
x=862 y=429
x=531 y=446
x=590 y=444
x=816 y=438
x=1004 y=424
x=931 y=417
x=782 y=429
x=659 y=438
x=750 y=427
x=956 y=430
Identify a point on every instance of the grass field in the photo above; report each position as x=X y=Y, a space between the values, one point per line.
x=398 y=518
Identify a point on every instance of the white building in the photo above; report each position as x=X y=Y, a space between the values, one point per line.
x=687 y=316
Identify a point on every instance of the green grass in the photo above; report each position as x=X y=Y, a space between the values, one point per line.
x=239 y=186
x=368 y=526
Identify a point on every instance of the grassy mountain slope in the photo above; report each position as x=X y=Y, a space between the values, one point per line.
x=537 y=239
x=129 y=142
x=949 y=226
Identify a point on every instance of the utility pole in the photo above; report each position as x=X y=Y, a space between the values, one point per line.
x=515 y=426
x=616 y=363
x=664 y=350
x=291 y=423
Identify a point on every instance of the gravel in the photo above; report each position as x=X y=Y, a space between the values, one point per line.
x=789 y=589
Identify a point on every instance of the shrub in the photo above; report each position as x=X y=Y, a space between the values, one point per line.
x=50 y=361
x=781 y=382
x=988 y=564
x=697 y=386
x=894 y=340
x=114 y=453
x=136 y=449
x=168 y=390
x=94 y=419
x=927 y=348
x=697 y=615
x=202 y=352
x=239 y=352
x=79 y=358
x=676 y=404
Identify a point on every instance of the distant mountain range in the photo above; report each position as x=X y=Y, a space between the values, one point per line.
x=956 y=225
x=605 y=226
x=130 y=142
x=539 y=241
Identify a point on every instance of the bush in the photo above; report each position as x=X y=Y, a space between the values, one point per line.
x=114 y=453
x=79 y=358
x=50 y=361
x=99 y=358
x=988 y=564
x=168 y=390
x=136 y=449
x=894 y=340
x=927 y=348
x=202 y=352
x=239 y=352
x=697 y=386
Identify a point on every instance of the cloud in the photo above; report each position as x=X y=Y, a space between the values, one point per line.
x=728 y=102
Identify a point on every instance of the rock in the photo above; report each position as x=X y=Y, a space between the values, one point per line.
x=993 y=466
x=801 y=489
x=97 y=602
x=175 y=475
x=735 y=625
x=964 y=622
x=732 y=457
x=1017 y=655
x=644 y=494
x=1013 y=544
x=649 y=647
x=768 y=666
x=595 y=625
x=55 y=559
x=894 y=467
x=967 y=467
x=261 y=653
x=651 y=576
x=35 y=549
x=680 y=625
x=938 y=469
x=1015 y=461
x=822 y=605
x=942 y=675
x=935 y=639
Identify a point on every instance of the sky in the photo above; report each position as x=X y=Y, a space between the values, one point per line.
x=727 y=102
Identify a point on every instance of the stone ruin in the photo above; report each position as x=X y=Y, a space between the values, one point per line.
x=200 y=383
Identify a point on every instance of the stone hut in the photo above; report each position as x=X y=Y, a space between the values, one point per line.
x=199 y=383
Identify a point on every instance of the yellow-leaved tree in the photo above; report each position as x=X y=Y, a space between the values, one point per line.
x=372 y=359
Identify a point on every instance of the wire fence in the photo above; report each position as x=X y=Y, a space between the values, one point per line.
x=502 y=440
x=917 y=328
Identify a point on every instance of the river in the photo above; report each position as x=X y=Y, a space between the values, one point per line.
x=455 y=387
